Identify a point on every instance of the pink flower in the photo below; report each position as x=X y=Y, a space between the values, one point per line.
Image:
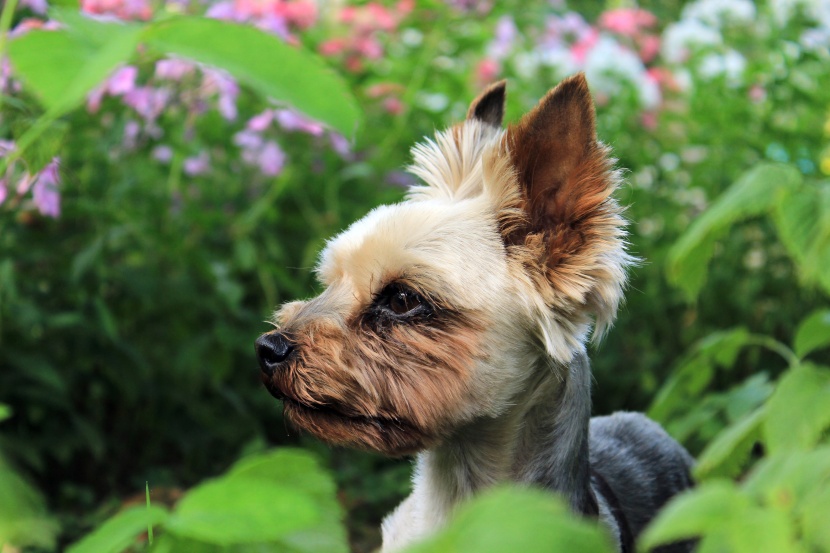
x=649 y=47
x=3 y=191
x=302 y=13
x=340 y=144
x=173 y=69
x=45 y=190
x=584 y=45
x=37 y=6
x=259 y=123
x=333 y=46
x=271 y=159
x=122 y=81
x=197 y=165
x=757 y=93
x=248 y=141
x=487 y=70
x=218 y=82
x=627 y=21
x=162 y=153
x=148 y=102
x=122 y=9
x=293 y=121
x=393 y=105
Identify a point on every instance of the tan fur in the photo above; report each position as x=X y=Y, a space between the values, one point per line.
x=516 y=243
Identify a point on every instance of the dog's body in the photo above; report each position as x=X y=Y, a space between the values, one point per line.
x=453 y=325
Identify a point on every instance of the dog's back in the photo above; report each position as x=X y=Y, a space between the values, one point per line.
x=642 y=464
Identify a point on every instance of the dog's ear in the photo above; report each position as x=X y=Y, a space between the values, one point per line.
x=573 y=228
x=489 y=106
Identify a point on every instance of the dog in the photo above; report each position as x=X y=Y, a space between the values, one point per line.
x=453 y=326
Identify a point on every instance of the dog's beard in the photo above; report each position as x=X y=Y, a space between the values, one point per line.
x=395 y=390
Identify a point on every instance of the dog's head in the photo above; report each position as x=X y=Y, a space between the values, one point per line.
x=437 y=310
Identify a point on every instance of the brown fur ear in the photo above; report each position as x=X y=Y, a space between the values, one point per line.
x=489 y=106
x=573 y=227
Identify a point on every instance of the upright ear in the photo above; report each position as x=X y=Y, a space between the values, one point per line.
x=574 y=230
x=489 y=106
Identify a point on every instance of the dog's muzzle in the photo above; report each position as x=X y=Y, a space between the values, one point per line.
x=272 y=350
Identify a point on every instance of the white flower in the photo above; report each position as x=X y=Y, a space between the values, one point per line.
x=730 y=65
x=685 y=35
x=718 y=13
x=608 y=65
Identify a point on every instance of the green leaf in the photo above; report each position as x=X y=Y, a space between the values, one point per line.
x=120 y=531
x=88 y=29
x=506 y=519
x=728 y=452
x=263 y=62
x=799 y=410
x=813 y=333
x=702 y=510
x=24 y=519
x=754 y=193
x=788 y=479
x=300 y=470
x=5 y=412
x=237 y=510
x=62 y=67
x=802 y=219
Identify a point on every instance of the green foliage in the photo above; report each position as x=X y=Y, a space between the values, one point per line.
x=754 y=193
x=524 y=520
x=266 y=502
x=24 y=519
x=813 y=333
x=118 y=533
x=265 y=63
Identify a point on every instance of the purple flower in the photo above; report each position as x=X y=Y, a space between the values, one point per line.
x=219 y=82
x=147 y=101
x=131 y=131
x=3 y=191
x=37 y=6
x=123 y=80
x=197 y=165
x=259 y=123
x=504 y=36
x=25 y=183
x=162 y=153
x=271 y=159
x=173 y=69
x=6 y=147
x=247 y=140
x=223 y=10
x=293 y=121
x=340 y=144
x=45 y=190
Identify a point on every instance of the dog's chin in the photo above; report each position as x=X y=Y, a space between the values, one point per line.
x=387 y=436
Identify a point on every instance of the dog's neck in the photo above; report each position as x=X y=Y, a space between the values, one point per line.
x=542 y=440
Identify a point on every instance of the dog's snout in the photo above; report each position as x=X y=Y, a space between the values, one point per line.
x=272 y=350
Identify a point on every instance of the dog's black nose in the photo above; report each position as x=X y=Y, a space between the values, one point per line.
x=271 y=350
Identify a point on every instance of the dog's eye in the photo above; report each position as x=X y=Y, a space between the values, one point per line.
x=403 y=301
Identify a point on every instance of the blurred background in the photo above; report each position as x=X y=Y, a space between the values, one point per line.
x=153 y=230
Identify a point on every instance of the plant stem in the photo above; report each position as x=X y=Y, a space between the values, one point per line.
x=774 y=345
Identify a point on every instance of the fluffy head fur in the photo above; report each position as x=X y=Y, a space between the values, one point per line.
x=508 y=249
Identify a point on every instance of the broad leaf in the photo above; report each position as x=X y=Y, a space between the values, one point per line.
x=699 y=511
x=790 y=478
x=802 y=218
x=300 y=470
x=62 y=67
x=228 y=511
x=752 y=194
x=799 y=410
x=813 y=333
x=24 y=519
x=119 y=532
x=727 y=453
x=263 y=62
x=528 y=521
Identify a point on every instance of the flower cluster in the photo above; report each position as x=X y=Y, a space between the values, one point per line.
x=618 y=49
x=17 y=183
x=363 y=27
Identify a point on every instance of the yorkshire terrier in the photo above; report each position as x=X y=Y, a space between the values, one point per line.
x=453 y=325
